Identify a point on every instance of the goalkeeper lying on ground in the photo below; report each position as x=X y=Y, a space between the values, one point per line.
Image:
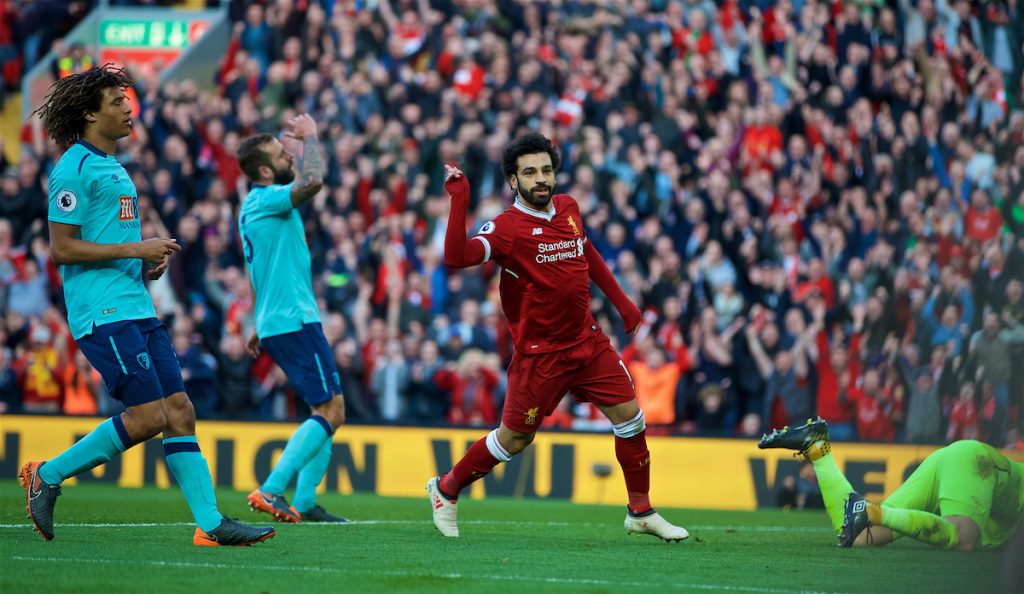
x=962 y=496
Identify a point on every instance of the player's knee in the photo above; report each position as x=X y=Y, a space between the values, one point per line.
x=632 y=426
x=333 y=411
x=145 y=422
x=181 y=415
x=517 y=442
x=337 y=411
x=181 y=408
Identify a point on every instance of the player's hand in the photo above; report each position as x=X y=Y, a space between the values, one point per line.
x=300 y=127
x=252 y=346
x=160 y=269
x=632 y=318
x=155 y=250
x=455 y=182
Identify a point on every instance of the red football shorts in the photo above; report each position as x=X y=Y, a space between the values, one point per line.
x=592 y=370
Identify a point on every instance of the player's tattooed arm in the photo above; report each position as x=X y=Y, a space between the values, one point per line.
x=311 y=170
x=311 y=166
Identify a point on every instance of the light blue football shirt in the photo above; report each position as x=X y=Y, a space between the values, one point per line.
x=90 y=189
x=274 y=243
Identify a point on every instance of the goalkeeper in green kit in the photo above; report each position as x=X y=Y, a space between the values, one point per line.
x=963 y=496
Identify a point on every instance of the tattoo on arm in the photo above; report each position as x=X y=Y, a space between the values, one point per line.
x=311 y=170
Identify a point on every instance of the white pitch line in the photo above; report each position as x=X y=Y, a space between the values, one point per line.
x=124 y=525
x=392 y=573
x=720 y=527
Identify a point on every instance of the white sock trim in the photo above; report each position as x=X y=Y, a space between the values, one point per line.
x=630 y=428
x=494 y=447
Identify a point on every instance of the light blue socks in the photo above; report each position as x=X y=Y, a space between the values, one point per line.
x=104 y=442
x=309 y=479
x=305 y=444
x=189 y=468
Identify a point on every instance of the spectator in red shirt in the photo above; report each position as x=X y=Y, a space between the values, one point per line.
x=963 y=417
x=872 y=409
x=695 y=38
x=991 y=415
x=761 y=142
x=983 y=221
x=218 y=149
x=472 y=384
x=469 y=79
x=789 y=207
x=818 y=279
x=837 y=366
x=39 y=371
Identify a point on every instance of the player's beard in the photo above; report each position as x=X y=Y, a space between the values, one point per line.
x=284 y=176
x=534 y=201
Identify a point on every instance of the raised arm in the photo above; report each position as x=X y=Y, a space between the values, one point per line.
x=764 y=363
x=604 y=280
x=388 y=14
x=311 y=165
x=67 y=248
x=800 y=366
x=458 y=252
x=967 y=309
x=929 y=310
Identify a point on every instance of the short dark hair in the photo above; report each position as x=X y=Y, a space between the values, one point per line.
x=527 y=144
x=252 y=156
x=70 y=98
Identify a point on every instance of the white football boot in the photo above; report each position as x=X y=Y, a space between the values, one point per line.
x=445 y=509
x=652 y=523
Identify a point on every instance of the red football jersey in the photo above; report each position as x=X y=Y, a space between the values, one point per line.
x=545 y=280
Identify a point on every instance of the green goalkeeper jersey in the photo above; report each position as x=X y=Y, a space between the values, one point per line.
x=968 y=478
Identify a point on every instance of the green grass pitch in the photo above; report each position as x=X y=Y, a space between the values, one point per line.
x=139 y=540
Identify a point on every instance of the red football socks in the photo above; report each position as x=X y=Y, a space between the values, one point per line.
x=635 y=461
x=475 y=465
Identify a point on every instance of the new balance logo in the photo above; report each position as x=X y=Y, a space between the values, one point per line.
x=537 y=230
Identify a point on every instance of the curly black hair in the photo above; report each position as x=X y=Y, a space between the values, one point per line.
x=70 y=98
x=251 y=155
x=527 y=144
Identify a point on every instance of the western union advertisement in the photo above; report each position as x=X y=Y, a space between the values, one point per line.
x=398 y=461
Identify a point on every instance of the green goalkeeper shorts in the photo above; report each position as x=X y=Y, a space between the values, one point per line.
x=967 y=478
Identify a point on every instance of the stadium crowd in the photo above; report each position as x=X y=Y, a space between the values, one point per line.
x=818 y=204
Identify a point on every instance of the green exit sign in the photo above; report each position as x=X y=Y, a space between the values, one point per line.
x=150 y=34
